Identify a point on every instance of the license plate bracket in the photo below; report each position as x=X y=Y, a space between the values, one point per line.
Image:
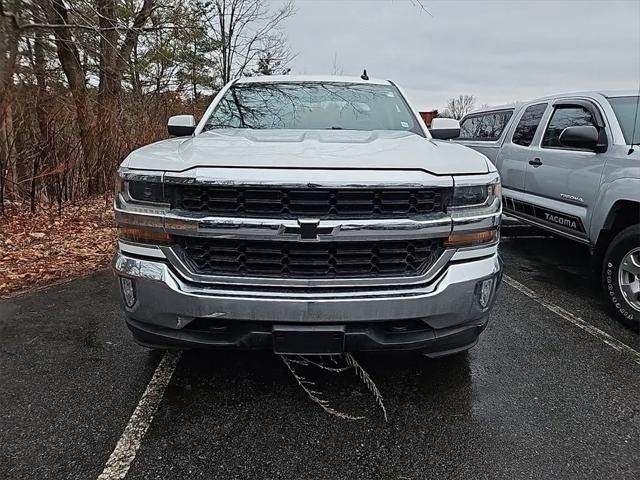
x=308 y=339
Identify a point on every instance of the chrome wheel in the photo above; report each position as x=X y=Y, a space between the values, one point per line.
x=629 y=278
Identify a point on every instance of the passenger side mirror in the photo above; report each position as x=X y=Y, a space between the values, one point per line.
x=585 y=137
x=445 y=128
x=181 y=125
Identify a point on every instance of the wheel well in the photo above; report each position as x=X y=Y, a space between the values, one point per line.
x=623 y=214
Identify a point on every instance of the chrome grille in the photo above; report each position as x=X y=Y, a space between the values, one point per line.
x=322 y=203
x=218 y=256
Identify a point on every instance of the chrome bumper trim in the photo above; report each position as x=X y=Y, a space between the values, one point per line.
x=470 y=253
x=140 y=250
x=165 y=299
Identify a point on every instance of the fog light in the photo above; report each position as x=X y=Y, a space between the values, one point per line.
x=128 y=291
x=484 y=295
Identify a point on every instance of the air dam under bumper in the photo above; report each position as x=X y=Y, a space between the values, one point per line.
x=441 y=317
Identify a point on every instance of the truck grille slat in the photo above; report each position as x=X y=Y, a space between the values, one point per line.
x=323 y=203
x=213 y=256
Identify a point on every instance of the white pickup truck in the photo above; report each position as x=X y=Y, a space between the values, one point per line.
x=310 y=215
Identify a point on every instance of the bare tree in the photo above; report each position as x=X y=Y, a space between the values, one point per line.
x=83 y=82
x=459 y=107
x=116 y=43
x=244 y=30
x=8 y=56
x=336 y=68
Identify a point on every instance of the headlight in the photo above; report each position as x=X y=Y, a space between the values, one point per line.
x=475 y=208
x=476 y=198
x=146 y=191
x=139 y=190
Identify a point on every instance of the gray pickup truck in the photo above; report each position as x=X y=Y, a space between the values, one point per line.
x=570 y=164
x=309 y=215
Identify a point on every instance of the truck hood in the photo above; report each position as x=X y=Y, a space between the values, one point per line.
x=331 y=149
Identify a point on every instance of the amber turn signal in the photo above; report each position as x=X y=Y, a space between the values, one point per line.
x=469 y=239
x=140 y=235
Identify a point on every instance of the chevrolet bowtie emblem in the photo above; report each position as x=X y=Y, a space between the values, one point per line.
x=308 y=229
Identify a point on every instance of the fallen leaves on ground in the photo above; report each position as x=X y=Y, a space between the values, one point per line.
x=38 y=249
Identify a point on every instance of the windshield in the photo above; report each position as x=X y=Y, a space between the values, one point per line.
x=313 y=106
x=628 y=113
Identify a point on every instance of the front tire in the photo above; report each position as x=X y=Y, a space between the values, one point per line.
x=621 y=276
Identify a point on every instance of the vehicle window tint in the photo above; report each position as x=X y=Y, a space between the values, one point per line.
x=628 y=115
x=562 y=118
x=468 y=128
x=528 y=124
x=484 y=127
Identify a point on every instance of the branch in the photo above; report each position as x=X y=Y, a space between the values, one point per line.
x=132 y=34
x=366 y=379
x=421 y=6
x=314 y=395
x=77 y=26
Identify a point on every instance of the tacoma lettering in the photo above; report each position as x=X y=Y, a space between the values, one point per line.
x=565 y=222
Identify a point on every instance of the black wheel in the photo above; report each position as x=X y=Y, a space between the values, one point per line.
x=621 y=276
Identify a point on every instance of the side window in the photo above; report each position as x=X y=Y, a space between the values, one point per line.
x=562 y=118
x=528 y=124
x=492 y=125
x=486 y=127
x=468 y=128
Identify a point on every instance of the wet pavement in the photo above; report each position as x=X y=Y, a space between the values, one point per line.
x=536 y=398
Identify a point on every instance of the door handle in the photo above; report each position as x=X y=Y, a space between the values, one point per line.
x=536 y=162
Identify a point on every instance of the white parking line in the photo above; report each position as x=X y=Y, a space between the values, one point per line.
x=575 y=320
x=125 y=452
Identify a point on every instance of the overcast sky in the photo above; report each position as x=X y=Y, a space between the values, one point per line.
x=498 y=51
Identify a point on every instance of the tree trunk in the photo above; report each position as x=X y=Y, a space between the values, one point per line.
x=7 y=142
x=109 y=88
x=114 y=60
x=70 y=60
x=39 y=69
x=8 y=55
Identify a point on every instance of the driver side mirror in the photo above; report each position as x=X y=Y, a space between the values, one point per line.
x=584 y=137
x=181 y=125
x=445 y=128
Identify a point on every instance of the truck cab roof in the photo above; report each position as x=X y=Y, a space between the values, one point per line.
x=588 y=94
x=310 y=79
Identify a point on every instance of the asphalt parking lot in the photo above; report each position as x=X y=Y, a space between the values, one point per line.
x=551 y=391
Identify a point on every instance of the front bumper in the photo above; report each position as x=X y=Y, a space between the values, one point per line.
x=438 y=317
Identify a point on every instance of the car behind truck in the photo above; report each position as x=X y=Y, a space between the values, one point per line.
x=308 y=216
x=570 y=164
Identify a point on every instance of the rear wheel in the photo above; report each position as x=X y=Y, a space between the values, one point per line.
x=621 y=276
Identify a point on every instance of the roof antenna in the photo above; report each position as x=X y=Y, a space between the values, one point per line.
x=364 y=75
x=635 y=122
